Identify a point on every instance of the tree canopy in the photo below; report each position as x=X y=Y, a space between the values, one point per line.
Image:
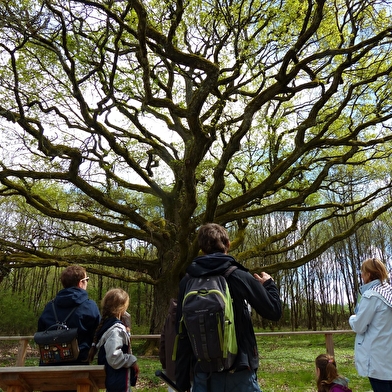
x=125 y=124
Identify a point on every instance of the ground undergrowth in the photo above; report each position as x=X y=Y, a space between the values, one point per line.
x=286 y=363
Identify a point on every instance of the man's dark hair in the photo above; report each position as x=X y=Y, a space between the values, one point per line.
x=213 y=238
x=72 y=275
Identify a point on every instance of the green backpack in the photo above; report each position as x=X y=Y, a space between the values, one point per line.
x=208 y=315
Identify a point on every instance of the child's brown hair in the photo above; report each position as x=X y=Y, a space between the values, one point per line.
x=328 y=372
x=114 y=304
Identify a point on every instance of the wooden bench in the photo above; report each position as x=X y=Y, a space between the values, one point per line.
x=90 y=378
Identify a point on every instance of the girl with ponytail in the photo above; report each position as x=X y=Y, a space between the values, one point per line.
x=328 y=379
x=113 y=343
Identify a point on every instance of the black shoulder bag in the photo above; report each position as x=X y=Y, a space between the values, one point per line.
x=58 y=343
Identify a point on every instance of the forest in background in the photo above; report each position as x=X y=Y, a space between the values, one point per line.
x=319 y=295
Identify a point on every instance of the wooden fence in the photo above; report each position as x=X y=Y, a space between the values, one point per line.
x=23 y=341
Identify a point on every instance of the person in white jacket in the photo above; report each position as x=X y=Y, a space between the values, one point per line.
x=372 y=323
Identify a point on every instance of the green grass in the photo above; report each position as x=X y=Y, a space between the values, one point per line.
x=286 y=363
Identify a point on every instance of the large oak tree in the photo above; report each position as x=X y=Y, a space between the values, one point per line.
x=127 y=123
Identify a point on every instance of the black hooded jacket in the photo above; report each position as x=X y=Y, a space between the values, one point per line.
x=245 y=290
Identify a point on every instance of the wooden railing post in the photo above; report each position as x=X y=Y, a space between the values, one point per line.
x=329 y=344
x=22 y=350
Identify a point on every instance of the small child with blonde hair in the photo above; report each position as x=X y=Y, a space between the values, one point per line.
x=113 y=343
x=328 y=379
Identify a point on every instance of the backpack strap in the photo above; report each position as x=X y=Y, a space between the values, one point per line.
x=69 y=314
x=227 y=273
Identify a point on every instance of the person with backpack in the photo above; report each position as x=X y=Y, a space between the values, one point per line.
x=328 y=379
x=237 y=369
x=73 y=305
x=112 y=341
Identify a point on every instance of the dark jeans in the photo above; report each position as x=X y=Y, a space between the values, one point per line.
x=381 y=385
x=243 y=381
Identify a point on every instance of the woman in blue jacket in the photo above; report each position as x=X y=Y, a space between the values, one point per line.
x=373 y=325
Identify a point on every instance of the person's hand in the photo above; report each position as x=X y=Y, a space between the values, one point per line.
x=263 y=277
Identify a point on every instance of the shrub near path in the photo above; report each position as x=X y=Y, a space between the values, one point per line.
x=286 y=363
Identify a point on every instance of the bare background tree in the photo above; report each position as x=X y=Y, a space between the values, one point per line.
x=127 y=124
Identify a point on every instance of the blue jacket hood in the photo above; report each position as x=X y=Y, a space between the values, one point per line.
x=70 y=297
x=370 y=285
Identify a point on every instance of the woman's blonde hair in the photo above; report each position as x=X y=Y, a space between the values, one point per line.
x=376 y=269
